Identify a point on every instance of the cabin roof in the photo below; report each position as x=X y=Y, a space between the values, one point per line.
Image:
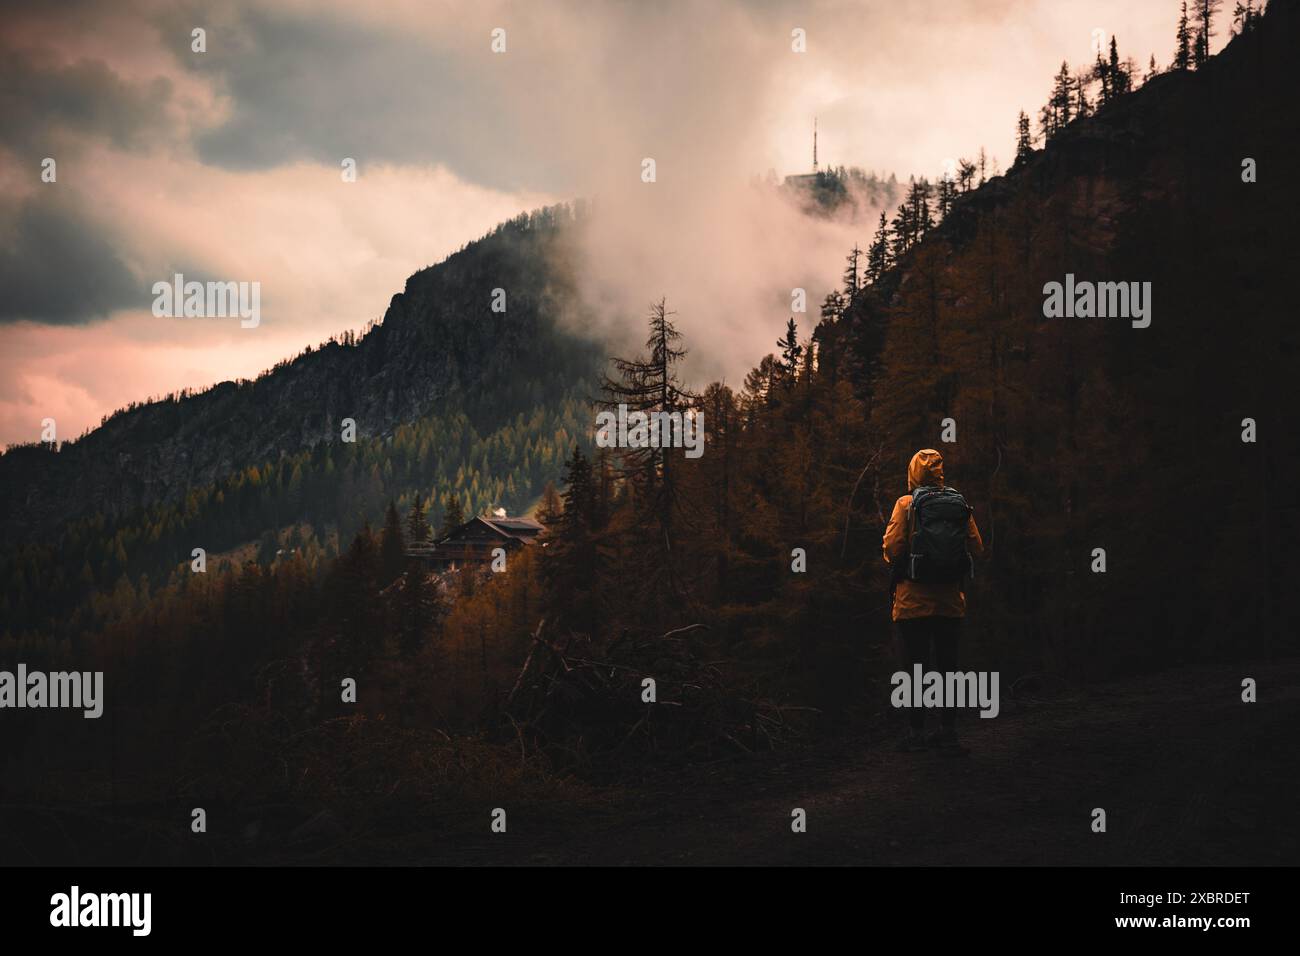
x=514 y=526
x=459 y=544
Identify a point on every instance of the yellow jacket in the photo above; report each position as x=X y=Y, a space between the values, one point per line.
x=913 y=598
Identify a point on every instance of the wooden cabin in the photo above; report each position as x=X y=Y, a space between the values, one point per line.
x=473 y=542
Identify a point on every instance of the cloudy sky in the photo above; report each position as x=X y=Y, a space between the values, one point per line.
x=225 y=164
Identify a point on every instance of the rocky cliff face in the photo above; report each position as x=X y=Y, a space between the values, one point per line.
x=439 y=340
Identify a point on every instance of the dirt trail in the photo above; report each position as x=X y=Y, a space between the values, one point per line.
x=1187 y=774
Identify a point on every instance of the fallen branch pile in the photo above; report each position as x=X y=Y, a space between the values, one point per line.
x=584 y=708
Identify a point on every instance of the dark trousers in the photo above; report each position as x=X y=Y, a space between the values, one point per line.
x=930 y=641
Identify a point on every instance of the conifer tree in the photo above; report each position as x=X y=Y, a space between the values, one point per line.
x=1024 y=138
x=945 y=193
x=418 y=607
x=650 y=384
x=965 y=174
x=851 y=273
x=1205 y=11
x=579 y=509
x=1244 y=17
x=392 y=546
x=833 y=305
x=1183 y=52
x=1082 y=108
x=417 y=525
x=453 y=516
x=901 y=232
x=551 y=508
x=791 y=350
x=1101 y=73
x=759 y=381
x=919 y=200
x=1121 y=77
x=356 y=614
x=877 y=255
x=1058 y=112
x=570 y=565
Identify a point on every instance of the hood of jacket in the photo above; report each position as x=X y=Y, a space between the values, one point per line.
x=925 y=469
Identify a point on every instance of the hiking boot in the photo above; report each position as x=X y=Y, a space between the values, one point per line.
x=911 y=743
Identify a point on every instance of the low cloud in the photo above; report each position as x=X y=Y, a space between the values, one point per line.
x=55 y=266
x=225 y=164
x=324 y=267
x=726 y=254
x=50 y=103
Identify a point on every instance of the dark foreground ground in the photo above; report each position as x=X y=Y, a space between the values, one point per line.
x=1187 y=773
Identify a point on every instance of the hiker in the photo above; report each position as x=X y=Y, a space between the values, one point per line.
x=929 y=545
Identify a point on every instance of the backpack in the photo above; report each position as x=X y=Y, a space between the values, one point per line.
x=938 y=523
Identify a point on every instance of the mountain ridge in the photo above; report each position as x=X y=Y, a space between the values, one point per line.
x=439 y=340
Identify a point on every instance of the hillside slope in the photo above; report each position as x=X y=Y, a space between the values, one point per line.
x=1087 y=439
x=439 y=344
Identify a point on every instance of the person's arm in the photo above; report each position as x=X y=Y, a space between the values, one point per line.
x=895 y=542
x=974 y=543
